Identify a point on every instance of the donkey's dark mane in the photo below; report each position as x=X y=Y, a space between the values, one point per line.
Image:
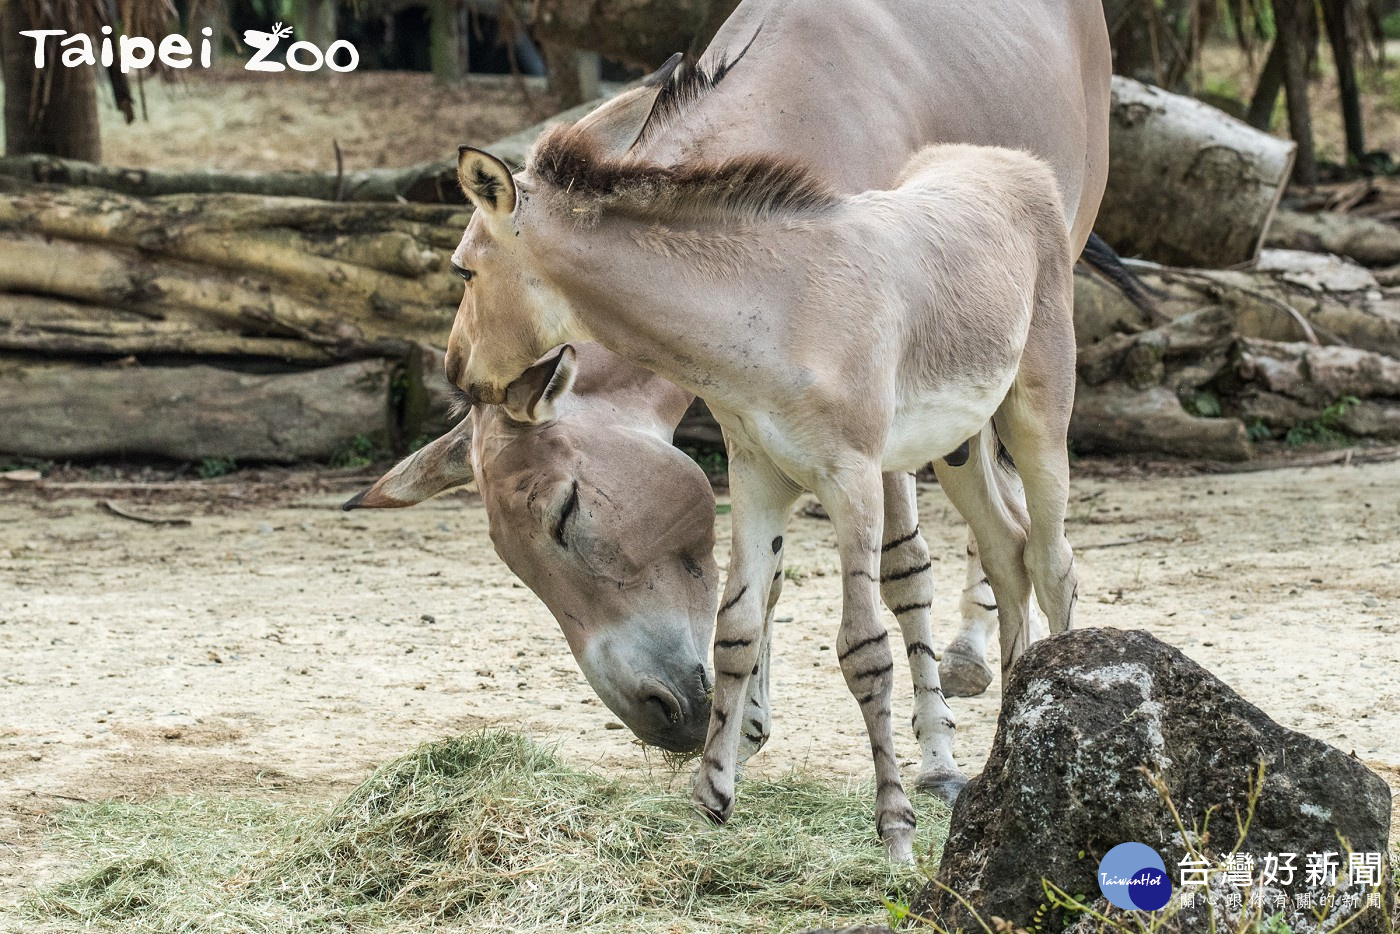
x=746 y=187
x=571 y=161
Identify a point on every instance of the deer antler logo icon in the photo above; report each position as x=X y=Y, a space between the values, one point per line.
x=264 y=43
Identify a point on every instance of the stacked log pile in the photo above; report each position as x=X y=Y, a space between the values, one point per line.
x=217 y=326
x=1302 y=348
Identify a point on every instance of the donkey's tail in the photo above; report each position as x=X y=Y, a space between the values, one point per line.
x=1103 y=260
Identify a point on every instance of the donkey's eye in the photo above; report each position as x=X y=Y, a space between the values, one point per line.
x=565 y=514
x=466 y=274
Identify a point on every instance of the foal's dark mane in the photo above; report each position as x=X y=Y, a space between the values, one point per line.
x=743 y=188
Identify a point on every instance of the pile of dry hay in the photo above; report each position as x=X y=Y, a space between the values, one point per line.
x=483 y=832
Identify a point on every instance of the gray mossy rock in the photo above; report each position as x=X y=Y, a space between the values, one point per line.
x=1081 y=712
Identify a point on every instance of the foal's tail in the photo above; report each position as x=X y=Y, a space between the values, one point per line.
x=1103 y=260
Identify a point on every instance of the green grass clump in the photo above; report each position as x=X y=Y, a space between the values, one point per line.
x=487 y=832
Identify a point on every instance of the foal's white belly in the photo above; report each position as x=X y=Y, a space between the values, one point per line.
x=934 y=424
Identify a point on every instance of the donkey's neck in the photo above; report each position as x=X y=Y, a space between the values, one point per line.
x=692 y=305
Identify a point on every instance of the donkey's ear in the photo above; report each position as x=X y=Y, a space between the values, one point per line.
x=485 y=180
x=439 y=466
x=534 y=395
x=617 y=125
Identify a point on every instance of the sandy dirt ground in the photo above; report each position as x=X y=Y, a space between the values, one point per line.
x=237 y=120
x=277 y=646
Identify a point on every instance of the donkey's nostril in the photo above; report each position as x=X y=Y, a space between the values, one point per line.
x=666 y=704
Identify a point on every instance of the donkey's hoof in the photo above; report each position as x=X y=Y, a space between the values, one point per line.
x=713 y=811
x=962 y=674
x=944 y=784
x=899 y=845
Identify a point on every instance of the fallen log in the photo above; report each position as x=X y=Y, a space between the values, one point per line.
x=1365 y=239
x=62 y=410
x=1112 y=420
x=1316 y=376
x=1187 y=184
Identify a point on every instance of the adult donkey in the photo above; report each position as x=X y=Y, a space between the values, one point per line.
x=819 y=78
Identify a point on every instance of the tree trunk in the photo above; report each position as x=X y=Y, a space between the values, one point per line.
x=1288 y=19
x=565 y=79
x=448 y=60
x=1334 y=17
x=51 y=110
x=1261 y=105
x=1187 y=185
x=315 y=23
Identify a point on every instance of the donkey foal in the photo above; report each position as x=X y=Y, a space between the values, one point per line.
x=835 y=339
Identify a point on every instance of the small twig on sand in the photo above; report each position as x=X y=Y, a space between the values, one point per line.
x=118 y=510
x=339 y=171
x=1118 y=543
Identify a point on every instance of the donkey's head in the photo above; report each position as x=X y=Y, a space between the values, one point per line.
x=610 y=525
x=510 y=314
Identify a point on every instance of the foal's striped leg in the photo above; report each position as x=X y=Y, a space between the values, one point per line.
x=762 y=498
x=757 y=713
x=906 y=586
x=853 y=499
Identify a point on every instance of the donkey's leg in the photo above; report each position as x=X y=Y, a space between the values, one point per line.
x=963 y=669
x=1001 y=530
x=906 y=586
x=757 y=713
x=964 y=666
x=1033 y=421
x=853 y=499
x=1043 y=459
x=762 y=498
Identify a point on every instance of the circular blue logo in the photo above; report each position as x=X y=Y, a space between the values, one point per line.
x=1133 y=877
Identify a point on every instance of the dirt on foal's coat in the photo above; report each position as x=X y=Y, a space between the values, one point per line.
x=894 y=326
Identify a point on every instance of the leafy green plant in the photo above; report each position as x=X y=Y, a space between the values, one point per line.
x=359 y=451
x=212 y=467
x=1326 y=428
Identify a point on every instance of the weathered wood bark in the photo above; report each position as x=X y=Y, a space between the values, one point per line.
x=44 y=326
x=59 y=410
x=1364 y=239
x=51 y=110
x=1187 y=185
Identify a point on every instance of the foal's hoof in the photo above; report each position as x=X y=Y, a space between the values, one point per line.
x=943 y=785
x=963 y=674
